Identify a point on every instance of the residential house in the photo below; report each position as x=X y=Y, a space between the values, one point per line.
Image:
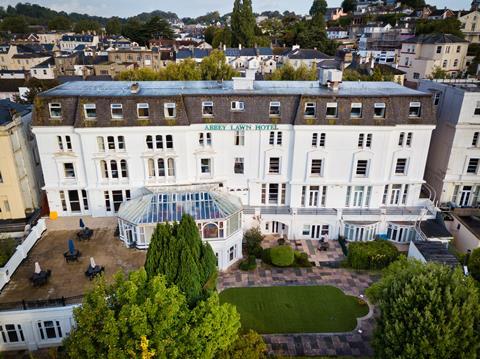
x=11 y=88
x=112 y=69
x=470 y=25
x=68 y=43
x=337 y=32
x=334 y=13
x=44 y=70
x=51 y=37
x=196 y=54
x=20 y=172
x=21 y=57
x=308 y=57
x=422 y=54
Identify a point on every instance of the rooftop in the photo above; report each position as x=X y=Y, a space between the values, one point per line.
x=171 y=206
x=9 y=108
x=173 y=88
x=436 y=252
x=68 y=279
x=435 y=38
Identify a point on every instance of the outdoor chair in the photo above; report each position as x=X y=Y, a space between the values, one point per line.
x=85 y=234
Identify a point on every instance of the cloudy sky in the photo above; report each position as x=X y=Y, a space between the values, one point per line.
x=191 y=8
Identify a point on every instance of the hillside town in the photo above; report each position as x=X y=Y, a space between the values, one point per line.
x=241 y=185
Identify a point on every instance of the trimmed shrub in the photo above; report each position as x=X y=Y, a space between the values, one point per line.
x=282 y=256
x=266 y=256
x=253 y=237
x=377 y=254
x=301 y=259
x=248 y=264
x=7 y=248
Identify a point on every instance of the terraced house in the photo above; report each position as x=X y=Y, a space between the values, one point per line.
x=303 y=159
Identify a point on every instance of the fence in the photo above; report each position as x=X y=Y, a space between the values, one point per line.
x=21 y=252
x=38 y=304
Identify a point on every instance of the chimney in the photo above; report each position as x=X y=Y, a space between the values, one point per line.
x=134 y=88
x=332 y=78
x=244 y=83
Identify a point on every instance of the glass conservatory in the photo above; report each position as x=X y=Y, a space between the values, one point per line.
x=217 y=214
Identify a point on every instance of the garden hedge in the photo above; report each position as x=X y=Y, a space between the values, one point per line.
x=377 y=254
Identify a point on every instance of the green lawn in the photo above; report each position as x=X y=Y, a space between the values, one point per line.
x=296 y=309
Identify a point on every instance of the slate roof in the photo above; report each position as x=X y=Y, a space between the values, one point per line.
x=45 y=64
x=434 y=251
x=8 y=108
x=196 y=53
x=307 y=54
x=78 y=38
x=435 y=39
x=434 y=228
x=265 y=51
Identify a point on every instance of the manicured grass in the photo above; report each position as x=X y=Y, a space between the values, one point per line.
x=295 y=309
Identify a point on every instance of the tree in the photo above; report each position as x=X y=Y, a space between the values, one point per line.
x=114 y=26
x=288 y=73
x=156 y=27
x=34 y=87
x=215 y=67
x=318 y=7
x=416 y=4
x=349 y=5
x=14 y=24
x=59 y=23
x=142 y=316
x=474 y=264
x=177 y=251
x=209 y=33
x=427 y=311
x=243 y=23
x=439 y=73
x=222 y=37
x=446 y=26
x=249 y=345
x=89 y=26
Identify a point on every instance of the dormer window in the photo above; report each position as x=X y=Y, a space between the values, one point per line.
x=310 y=109
x=207 y=108
x=55 y=110
x=142 y=110
x=90 y=110
x=169 y=110
x=415 y=109
x=379 y=110
x=332 y=109
x=274 y=110
x=356 y=110
x=237 y=105
x=116 y=110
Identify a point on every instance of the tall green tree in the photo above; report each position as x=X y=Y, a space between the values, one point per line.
x=215 y=67
x=318 y=7
x=349 y=5
x=474 y=264
x=113 y=26
x=87 y=26
x=222 y=36
x=446 y=26
x=142 y=314
x=209 y=33
x=14 y=24
x=243 y=23
x=177 y=252
x=288 y=73
x=427 y=311
x=59 y=23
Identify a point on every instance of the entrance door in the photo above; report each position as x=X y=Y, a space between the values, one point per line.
x=278 y=227
x=315 y=230
x=465 y=196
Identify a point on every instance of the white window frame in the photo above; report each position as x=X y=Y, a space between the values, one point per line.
x=356 y=105
x=270 y=166
x=380 y=105
x=116 y=106
x=331 y=105
x=320 y=172
x=417 y=105
x=56 y=105
x=237 y=106
x=274 y=104
x=405 y=168
x=310 y=105
x=143 y=105
x=167 y=106
x=206 y=104
x=89 y=106
x=367 y=168
x=209 y=166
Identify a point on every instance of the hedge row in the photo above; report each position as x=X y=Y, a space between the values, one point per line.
x=377 y=254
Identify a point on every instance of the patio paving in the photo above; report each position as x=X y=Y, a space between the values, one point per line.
x=68 y=279
x=356 y=343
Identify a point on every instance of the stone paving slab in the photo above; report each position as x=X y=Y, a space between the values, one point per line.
x=356 y=343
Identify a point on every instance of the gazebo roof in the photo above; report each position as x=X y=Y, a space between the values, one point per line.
x=170 y=206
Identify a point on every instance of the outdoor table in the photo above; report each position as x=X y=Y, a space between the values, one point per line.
x=85 y=234
x=92 y=272
x=41 y=278
x=72 y=257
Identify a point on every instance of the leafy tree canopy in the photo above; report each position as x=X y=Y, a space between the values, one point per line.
x=215 y=67
x=144 y=315
x=114 y=26
x=318 y=7
x=156 y=27
x=427 y=311
x=60 y=23
x=243 y=23
x=288 y=73
x=446 y=26
x=474 y=264
x=87 y=26
x=15 y=24
x=177 y=252
x=349 y=5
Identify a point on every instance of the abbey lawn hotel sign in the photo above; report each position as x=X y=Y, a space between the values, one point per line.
x=241 y=127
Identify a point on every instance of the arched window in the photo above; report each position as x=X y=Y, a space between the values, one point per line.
x=151 y=168
x=171 y=167
x=104 y=169
x=161 y=167
x=114 y=168
x=149 y=141
x=210 y=230
x=123 y=168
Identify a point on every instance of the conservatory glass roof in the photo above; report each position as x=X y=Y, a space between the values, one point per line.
x=171 y=206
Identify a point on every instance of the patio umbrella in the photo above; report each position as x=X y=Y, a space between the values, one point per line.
x=82 y=225
x=92 y=262
x=38 y=270
x=71 y=246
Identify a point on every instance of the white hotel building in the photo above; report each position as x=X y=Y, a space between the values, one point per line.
x=295 y=158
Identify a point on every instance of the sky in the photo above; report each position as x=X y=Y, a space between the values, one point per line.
x=192 y=8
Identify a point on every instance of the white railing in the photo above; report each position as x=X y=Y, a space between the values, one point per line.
x=21 y=252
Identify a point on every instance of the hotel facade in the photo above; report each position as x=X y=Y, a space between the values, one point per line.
x=302 y=159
